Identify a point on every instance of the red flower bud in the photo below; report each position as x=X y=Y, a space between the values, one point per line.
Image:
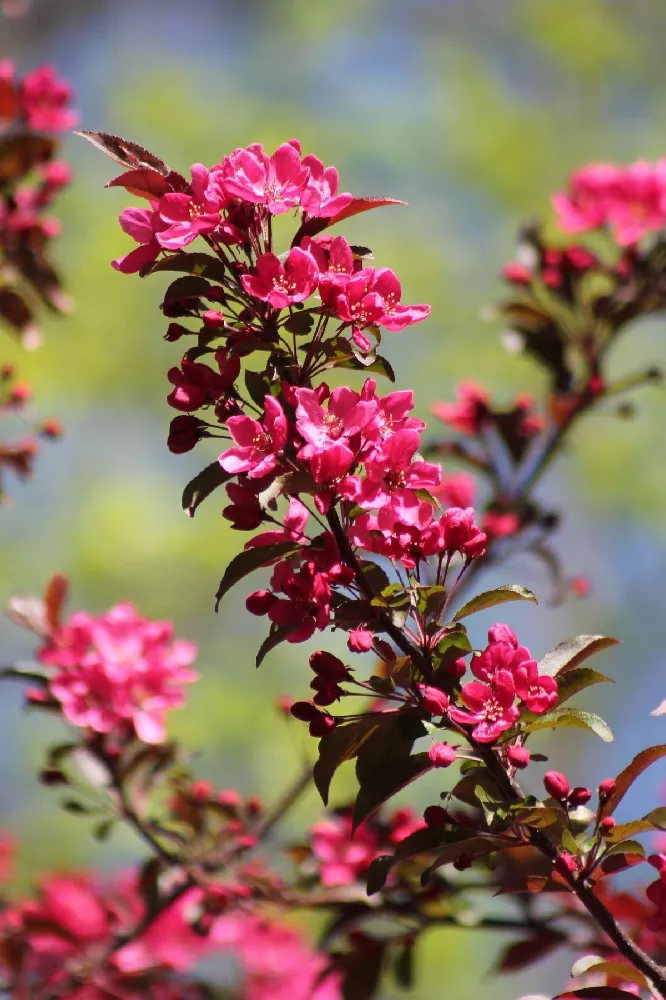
x=184 y=432
x=305 y=711
x=327 y=666
x=462 y=862
x=51 y=429
x=260 y=602
x=606 y=789
x=607 y=824
x=436 y=816
x=565 y=863
x=434 y=701
x=556 y=784
x=441 y=754
x=322 y=725
x=327 y=691
x=519 y=756
x=580 y=796
x=212 y=319
x=175 y=331
x=229 y=797
x=201 y=790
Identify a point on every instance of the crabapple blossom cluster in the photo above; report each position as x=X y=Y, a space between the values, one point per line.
x=33 y=109
x=356 y=530
x=118 y=673
x=18 y=450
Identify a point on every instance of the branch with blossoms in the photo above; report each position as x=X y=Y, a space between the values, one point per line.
x=361 y=535
x=33 y=110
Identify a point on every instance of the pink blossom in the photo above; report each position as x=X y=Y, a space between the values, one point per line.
x=335 y=263
x=276 y=182
x=117 y=670
x=338 y=426
x=282 y=284
x=391 y=469
x=294 y=527
x=342 y=860
x=197 y=385
x=320 y=198
x=491 y=707
x=403 y=530
x=391 y=412
x=458 y=490
x=187 y=216
x=460 y=534
x=45 y=98
x=143 y=225
x=396 y=316
x=467 y=415
x=359 y=305
x=538 y=691
x=630 y=200
x=258 y=446
x=498 y=524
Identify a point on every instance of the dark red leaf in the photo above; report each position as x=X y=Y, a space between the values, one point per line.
x=143 y=182
x=626 y=778
x=532 y=949
x=54 y=599
x=124 y=151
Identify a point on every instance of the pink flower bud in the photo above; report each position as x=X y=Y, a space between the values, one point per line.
x=360 y=640
x=260 y=602
x=556 y=784
x=322 y=725
x=502 y=633
x=580 y=796
x=201 y=790
x=304 y=711
x=212 y=319
x=51 y=429
x=434 y=701
x=457 y=669
x=565 y=863
x=607 y=824
x=606 y=789
x=229 y=797
x=519 y=756
x=327 y=666
x=436 y=816
x=441 y=754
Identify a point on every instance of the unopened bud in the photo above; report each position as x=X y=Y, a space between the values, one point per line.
x=606 y=789
x=518 y=756
x=327 y=666
x=580 y=796
x=434 y=701
x=607 y=824
x=556 y=784
x=441 y=754
x=304 y=711
x=436 y=816
x=322 y=725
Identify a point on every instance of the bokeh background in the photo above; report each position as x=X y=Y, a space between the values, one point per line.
x=473 y=111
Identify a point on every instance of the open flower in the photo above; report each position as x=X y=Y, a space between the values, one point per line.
x=258 y=445
x=281 y=284
x=491 y=707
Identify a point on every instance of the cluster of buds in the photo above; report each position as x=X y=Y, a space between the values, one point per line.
x=19 y=449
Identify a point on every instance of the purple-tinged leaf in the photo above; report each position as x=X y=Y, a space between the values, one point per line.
x=569 y=716
x=626 y=778
x=572 y=652
x=491 y=598
x=250 y=559
x=203 y=484
x=124 y=151
x=522 y=954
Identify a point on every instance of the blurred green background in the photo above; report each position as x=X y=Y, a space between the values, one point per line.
x=473 y=111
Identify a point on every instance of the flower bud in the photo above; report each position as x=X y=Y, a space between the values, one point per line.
x=580 y=796
x=436 y=816
x=457 y=669
x=462 y=862
x=260 y=602
x=556 y=784
x=327 y=691
x=359 y=640
x=327 y=666
x=607 y=824
x=304 y=711
x=499 y=632
x=441 y=754
x=184 y=432
x=606 y=789
x=434 y=701
x=213 y=319
x=51 y=429
x=322 y=725
x=174 y=332
x=565 y=863
x=518 y=756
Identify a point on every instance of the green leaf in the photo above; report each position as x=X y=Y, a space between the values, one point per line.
x=625 y=847
x=540 y=817
x=626 y=778
x=572 y=717
x=203 y=484
x=655 y=820
x=619 y=970
x=572 y=652
x=378 y=873
x=250 y=559
x=491 y=598
x=342 y=744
